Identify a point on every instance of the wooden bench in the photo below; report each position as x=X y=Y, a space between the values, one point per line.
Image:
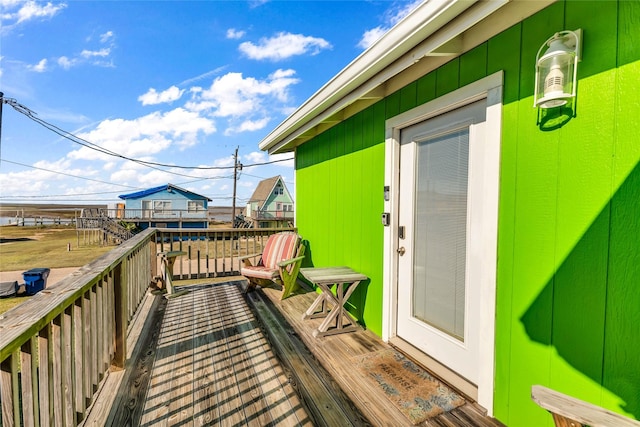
x=279 y=262
x=568 y=411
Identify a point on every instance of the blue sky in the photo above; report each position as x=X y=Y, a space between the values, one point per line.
x=176 y=83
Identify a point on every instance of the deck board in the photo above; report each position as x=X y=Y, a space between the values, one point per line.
x=212 y=361
x=337 y=355
x=212 y=366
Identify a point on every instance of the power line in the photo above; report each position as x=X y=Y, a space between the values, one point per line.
x=110 y=183
x=83 y=142
x=40 y=196
x=67 y=174
x=69 y=197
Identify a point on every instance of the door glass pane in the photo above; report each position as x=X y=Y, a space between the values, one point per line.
x=441 y=231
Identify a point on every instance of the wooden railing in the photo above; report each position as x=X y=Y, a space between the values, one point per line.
x=58 y=347
x=150 y=214
x=273 y=215
x=212 y=252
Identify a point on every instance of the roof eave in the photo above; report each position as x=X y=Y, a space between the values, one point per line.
x=360 y=80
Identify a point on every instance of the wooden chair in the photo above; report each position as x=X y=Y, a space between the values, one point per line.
x=279 y=262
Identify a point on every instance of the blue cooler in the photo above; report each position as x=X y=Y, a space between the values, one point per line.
x=35 y=280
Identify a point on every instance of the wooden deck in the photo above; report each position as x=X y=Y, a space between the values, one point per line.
x=336 y=355
x=210 y=364
x=214 y=356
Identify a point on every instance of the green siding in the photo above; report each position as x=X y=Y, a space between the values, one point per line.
x=473 y=65
x=340 y=176
x=569 y=230
x=426 y=88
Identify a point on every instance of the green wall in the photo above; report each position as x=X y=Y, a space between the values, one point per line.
x=568 y=291
x=339 y=199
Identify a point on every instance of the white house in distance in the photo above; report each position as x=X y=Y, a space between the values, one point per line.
x=271 y=205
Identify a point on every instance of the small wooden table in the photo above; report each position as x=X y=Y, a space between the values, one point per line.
x=168 y=258
x=325 y=278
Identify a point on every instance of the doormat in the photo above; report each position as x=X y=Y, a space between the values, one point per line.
x=412 y=390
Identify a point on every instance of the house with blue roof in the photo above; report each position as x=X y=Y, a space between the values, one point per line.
x=166 y=206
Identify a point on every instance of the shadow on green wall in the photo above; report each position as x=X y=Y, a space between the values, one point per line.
x=308 y=255
x=554 y=118
x=357 y=301
x=589 y=311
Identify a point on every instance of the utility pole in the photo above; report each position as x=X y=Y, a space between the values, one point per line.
x=236 y=165
x=1 y=104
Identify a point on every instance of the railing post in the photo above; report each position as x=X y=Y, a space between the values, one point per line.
x=9 y=391
x=121 y=304
x=153 y=250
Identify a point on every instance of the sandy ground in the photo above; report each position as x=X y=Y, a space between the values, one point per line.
x=55 y=275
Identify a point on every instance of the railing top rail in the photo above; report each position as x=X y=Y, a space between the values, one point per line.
x=20 y=323
x=225 y=230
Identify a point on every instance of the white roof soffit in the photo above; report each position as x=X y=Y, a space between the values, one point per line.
x=411 y=39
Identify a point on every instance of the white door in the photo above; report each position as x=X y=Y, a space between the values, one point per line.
x=440 y=236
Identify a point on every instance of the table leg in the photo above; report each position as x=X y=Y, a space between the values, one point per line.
x=168 y=274
x=311 y=311
x=338 y=312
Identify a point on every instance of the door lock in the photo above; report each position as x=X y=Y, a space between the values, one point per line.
x=401 y=250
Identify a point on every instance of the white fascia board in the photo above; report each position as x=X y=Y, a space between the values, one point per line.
x=410 y=57
x=421 y=23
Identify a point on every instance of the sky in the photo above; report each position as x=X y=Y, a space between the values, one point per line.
x=120 y=96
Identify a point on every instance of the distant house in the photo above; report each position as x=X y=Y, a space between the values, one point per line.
x=271 y=205
x=166 y=206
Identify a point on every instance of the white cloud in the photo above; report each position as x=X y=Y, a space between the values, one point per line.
x=42 y=178
x=40 y=67
x=371 y=36
x=201 y=77
x=146 y=135
x=391 y=18
x=248 y=126
x=98 y=57
x=396 y=15
x=106 y=37
x=283 y=46
x=125 y=175
x=17 y=12
x=277 y=157
x=234 y=34
x=152 y=97
x=66 y=63
x=257 y=3
x=255 y=157
x=233 y=95
x=104 y=52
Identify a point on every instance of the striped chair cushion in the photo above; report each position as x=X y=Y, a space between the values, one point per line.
x=279 y=247
x=260 y=272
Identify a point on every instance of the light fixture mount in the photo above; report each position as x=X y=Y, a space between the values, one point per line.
x=557 y=69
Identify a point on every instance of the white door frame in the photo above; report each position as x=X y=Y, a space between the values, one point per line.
x=490 y=88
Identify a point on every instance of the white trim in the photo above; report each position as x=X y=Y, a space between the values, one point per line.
x=410 y=40
x=490 y=88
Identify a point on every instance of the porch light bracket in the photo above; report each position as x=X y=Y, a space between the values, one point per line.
x=557 y=69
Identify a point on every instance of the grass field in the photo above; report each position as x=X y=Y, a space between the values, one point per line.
x=23 y=248
x=20 y=247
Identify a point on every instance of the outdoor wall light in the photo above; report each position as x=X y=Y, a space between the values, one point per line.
x=557 y=69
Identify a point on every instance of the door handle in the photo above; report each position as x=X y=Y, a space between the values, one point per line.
x=401 y=250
